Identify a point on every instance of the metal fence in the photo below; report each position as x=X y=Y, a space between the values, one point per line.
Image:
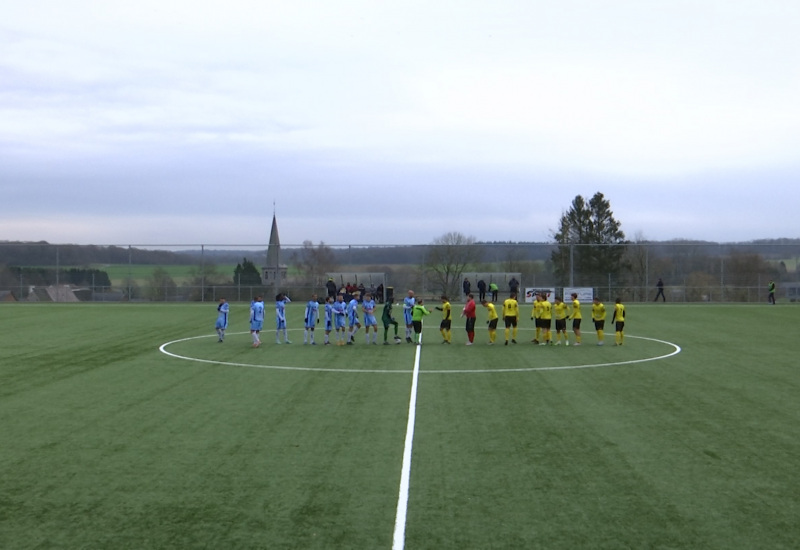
x=690 y=271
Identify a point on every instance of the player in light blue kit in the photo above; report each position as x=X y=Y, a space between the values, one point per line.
x=222 y=318
x=352 y=319
x=256 y=320
x=339 y=315
x=368 y=307
x=280 y=318
x=311 y=320
x=328 y=319
x=408 y=309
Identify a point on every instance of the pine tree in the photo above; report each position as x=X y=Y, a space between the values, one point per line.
x=591 y=243
x=246 y=273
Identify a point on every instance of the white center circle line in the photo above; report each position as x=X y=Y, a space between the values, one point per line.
x=676 y=349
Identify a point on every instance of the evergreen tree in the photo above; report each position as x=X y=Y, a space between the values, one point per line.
x=246 y=273
x=591 y=243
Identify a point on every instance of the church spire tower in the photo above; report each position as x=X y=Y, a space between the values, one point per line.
x=274 y=271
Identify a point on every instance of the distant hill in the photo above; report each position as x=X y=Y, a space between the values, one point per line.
x=48 y=254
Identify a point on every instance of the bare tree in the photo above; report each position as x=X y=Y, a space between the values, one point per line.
x=315 y=261
x=448 y=258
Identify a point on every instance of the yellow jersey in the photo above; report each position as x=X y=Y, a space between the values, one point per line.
x=490 y=309
x=576 y=309
x=510 y=308
x=598 y=312
x=547 y=310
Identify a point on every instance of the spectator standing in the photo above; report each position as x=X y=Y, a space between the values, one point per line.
x=481 y=290
x=331 y=288
x=660 y=287
x=513 y=286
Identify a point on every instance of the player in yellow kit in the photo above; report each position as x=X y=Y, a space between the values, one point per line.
x=491 y=320
x=575 y=315
x=511 y=317
x=536 y=315
x=619 y=322
x=445 y=325
x=546 y=320
x=599 y=318
x=560 y=313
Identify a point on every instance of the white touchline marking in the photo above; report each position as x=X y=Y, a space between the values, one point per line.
x=405 y=475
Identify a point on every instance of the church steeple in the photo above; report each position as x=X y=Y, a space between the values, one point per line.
x=274 y=270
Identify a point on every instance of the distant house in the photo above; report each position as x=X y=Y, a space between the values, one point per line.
x=7 y=296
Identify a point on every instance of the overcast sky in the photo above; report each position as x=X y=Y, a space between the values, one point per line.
x=370 y=122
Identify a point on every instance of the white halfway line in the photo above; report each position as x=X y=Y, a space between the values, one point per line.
x=405 y=476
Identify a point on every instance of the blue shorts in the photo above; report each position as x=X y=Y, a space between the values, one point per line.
x=370 y=320
x=221 y=323
x=353 y=321
x=407 y=316
x=280 y=323
x=311 y=322
x=256 y=325
x=339 y=321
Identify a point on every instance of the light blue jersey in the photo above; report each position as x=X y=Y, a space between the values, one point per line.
x=408 y=307
x=280 y=312
x=222 y=316
x=328 y=316
x=369 y=313
x=352 y=313
x=312 y=313
x=339 y=313
x=256 y=315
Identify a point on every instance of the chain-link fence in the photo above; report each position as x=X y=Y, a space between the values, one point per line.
x=688 y=271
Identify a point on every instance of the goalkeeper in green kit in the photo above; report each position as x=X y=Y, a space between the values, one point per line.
x=388 y=320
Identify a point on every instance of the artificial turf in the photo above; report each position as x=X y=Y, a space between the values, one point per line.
x=109 y=443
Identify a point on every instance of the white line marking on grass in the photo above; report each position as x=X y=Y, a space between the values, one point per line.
x=163 y=349
x=405 y=475
x=676 y=349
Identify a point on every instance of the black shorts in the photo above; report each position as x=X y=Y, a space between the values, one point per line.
x=417 y=326
x=510 y=321
x=620 y=325
x=445 y=324
x=561 y=325
x=545 y=324
x=493 y=324
x=470 y=324
x=600 y=325
x=576 y=324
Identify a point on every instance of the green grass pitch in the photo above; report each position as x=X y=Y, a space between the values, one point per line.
x=106 y=442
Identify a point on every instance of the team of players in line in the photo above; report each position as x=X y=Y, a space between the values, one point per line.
x=341 y=319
